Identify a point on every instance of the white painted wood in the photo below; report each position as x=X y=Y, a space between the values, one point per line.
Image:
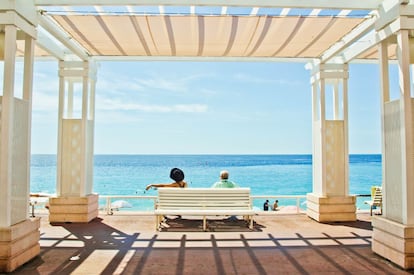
x=27 y=97
x=7 y=122
x=346 y=132
x=330 y=137
x=84 y=131
x=392 y=10
x=70 y=99
x=60 y=35
x=13 y=18
x=406 y=126
x=91 y=115
x=204 y=202
x=76 y=136
x=23 y=7
x=285 y=12
x=322 y=4
x=61 y=111
x=323 y=134
x=335 y=92
x=47 y=44
x=348 y=40
x=385 y=97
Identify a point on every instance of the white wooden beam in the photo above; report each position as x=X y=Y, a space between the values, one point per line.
x=349 y=39
x=12 y=18
x=389 y=12
x=374 y=38
x=61 y=36
x=285 y=12
x=315 y=12
x=201 y=59
x=317 y=4
x=23 y=7
x=344 y=13
x=254 y=11
x=161 y=9
x=47 y=44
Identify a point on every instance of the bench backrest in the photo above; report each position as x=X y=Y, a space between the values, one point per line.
x=204 y=198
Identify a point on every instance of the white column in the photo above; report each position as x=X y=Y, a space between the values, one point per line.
x=329 y=200
x=346 y=135
x=407 y=127
x=27 y=96
x=7 y=123
x=75 y=201
x=19 y=234
x=393 y=231
x=385 y=98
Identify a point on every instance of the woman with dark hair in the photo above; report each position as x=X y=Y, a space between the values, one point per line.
x=177 y=175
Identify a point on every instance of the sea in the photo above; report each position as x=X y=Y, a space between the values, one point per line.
x=266 y=175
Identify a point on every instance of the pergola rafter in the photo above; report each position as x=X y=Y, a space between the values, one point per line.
x=308 y=4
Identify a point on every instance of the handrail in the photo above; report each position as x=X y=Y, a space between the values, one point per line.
x=109 y=209
x=109 y=198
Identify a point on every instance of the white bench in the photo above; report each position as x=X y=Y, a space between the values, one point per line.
x=204 y=202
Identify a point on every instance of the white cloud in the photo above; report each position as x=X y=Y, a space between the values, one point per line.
x=118 y=105
x=254 y=79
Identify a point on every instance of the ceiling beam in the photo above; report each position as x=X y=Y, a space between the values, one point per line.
x=62 y=37
x=307 y=4
x=348 y=40
x=202 y=59
x=49 y=45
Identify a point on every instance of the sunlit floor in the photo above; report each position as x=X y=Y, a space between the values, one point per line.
x=279 y=244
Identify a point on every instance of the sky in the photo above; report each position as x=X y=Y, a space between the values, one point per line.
x=188 y=107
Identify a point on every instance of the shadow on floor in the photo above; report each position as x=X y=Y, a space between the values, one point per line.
x=179 y=224
x=101 y=248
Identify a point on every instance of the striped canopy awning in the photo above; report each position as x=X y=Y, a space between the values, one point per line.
x=122 y=31
x=206 y=36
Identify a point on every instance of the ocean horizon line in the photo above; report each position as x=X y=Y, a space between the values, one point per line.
x=207 y=154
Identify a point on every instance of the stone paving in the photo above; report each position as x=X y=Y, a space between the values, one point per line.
x=127 y=243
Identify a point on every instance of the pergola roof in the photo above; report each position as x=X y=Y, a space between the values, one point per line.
x=128 y=29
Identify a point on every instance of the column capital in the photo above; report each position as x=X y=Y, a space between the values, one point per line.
x=77 y=70
x=329 y=71
x=20 y=13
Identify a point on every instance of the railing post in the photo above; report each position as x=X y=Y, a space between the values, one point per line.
x=297 y=205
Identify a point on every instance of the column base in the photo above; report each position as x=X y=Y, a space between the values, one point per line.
x=73 y=209
x=393 y=241
x=19 y=243
x=331 y=209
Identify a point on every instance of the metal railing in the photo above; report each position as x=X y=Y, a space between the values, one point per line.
x=108 y=204
x=109 y=199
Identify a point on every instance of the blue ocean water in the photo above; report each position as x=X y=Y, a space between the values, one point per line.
x=264 y=174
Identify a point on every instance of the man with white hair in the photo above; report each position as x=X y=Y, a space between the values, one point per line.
x=224 y=181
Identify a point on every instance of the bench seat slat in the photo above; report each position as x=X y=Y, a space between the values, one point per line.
x=212 y=212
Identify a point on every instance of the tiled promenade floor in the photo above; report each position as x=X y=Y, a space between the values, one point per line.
x=279 y=244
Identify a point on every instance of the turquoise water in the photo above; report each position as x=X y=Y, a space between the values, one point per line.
x=264 y=174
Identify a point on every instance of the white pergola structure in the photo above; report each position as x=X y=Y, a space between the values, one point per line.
x=326 y=34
